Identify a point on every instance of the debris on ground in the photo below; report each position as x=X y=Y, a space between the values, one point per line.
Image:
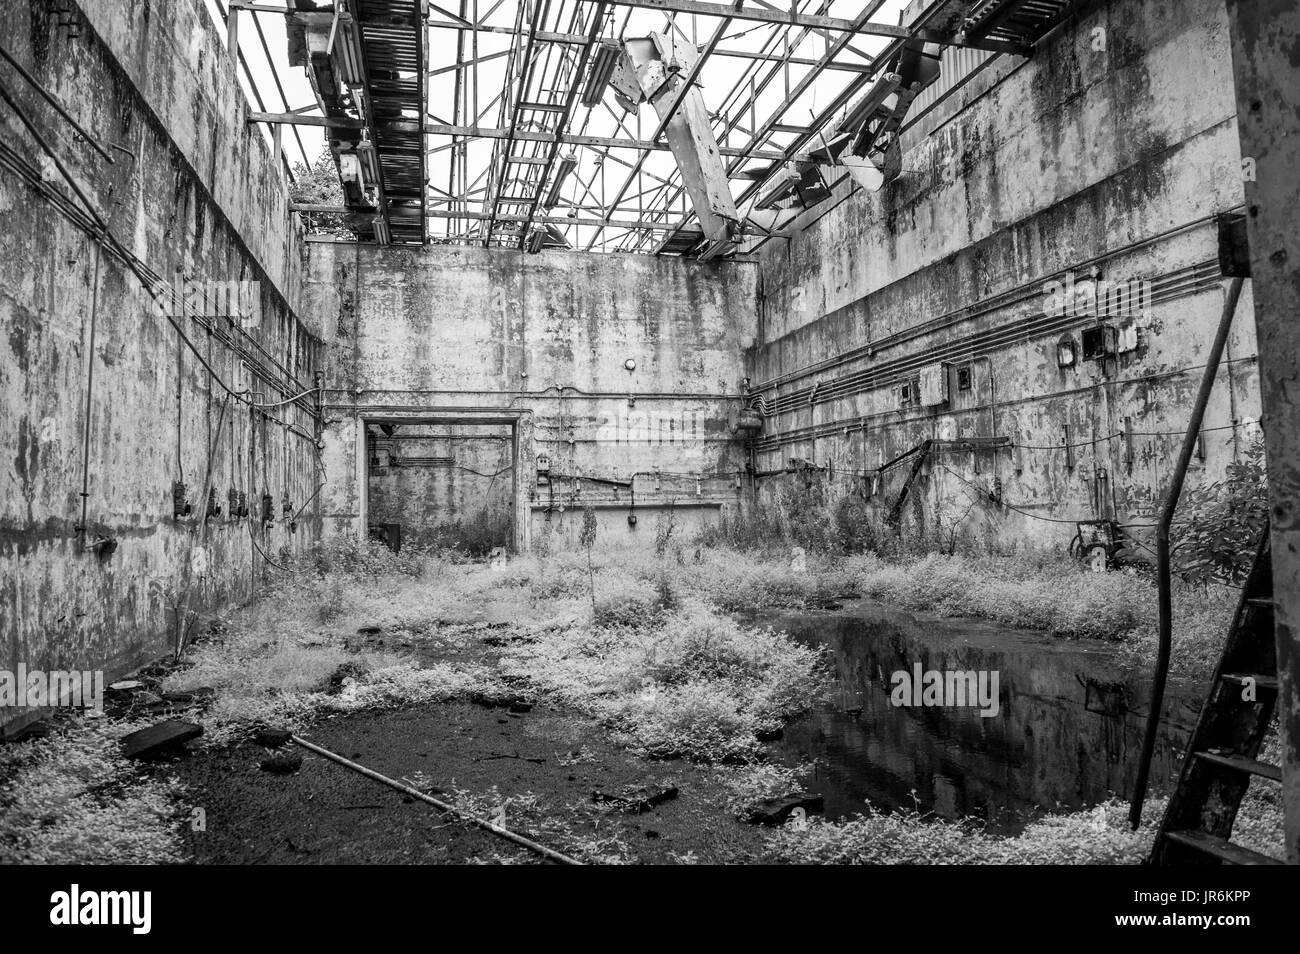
x=282 y=763
x=161 y=740
x=272 y=738
x=775 y=811
x=637 y=799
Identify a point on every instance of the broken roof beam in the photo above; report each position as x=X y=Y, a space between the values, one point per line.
x=662 y=69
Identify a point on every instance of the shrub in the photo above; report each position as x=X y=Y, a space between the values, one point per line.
x=1217 y=527
x=74 y=799
x=908 y=837
x=689 y=683
x=700 y=720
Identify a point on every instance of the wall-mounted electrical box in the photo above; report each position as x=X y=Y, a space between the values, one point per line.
x=1099 y=342
x=933 y=381
x=907 y=393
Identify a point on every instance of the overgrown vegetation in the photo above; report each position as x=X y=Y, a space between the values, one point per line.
x=73 y=799
x=639 y=642
x=647 y=644
x=318 y=184
x=946 y=563
x=911 y=837
x=1097 y=836
x=1217 y=526
x=1049 y=591
x=687 y=682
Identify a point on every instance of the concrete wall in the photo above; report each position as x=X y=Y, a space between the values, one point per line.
x=1117 y=157
x=466 y=335
x=193 y=195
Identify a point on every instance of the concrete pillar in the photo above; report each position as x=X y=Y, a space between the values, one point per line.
x=1265 y=48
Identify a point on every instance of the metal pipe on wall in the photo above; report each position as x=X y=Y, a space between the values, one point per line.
x=1165 y=604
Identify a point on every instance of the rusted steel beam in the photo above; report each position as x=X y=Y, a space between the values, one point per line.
x=1265 y=36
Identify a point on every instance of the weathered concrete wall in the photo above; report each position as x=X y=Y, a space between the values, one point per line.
x=193 y=195
x=544 y=340
x=1116 y=158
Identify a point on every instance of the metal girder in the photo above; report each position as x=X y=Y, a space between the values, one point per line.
x=378 y=47
x=550 y=45
x=762 y=15
x=578 y=39
x=575 y=90
x=489 y=132
x=505 y=217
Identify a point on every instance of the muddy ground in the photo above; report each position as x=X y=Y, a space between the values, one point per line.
x=546 y=764
x=550 y=771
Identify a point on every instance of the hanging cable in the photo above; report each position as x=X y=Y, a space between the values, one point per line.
x=100 y=230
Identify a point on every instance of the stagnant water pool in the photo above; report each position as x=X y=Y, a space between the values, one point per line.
x=1068 y=732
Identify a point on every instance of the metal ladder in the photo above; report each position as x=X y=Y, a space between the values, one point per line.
x=1221 y=755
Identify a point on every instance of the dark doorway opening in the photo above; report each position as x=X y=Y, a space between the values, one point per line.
x=442 y=486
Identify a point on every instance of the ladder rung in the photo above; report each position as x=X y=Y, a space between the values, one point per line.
x=1242 y=763
x=1261 y=681
x=1220 y=848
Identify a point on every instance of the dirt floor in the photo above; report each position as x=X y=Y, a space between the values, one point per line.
x=545 y=765
x=548 y=774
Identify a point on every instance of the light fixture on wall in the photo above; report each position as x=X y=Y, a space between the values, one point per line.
x=630 y=364
x=1065 y=352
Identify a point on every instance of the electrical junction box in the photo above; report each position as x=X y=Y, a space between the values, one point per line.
x=934 y=385
x=1099 y=342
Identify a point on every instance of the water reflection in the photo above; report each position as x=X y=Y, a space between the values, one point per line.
x=1068 y=734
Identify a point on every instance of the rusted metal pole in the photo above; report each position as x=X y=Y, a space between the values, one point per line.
x=1265 y=37
x=549 y=853
x=1163 y=581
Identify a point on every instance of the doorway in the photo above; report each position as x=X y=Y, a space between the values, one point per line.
x=441 y=484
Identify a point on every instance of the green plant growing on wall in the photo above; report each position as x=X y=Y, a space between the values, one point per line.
x=664 y=530
x=663 y=539
x=948 y=525
x=318 y=184
x=1217 y=526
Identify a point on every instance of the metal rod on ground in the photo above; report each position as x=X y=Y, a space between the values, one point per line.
x=1162 y=548
x=505 y=833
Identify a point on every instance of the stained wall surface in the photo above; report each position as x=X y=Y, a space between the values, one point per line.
x=621 y=373
x=97 y=387
x=1107 y=153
